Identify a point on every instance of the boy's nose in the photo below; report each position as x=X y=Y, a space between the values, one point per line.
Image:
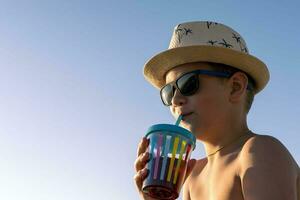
x=178 y=99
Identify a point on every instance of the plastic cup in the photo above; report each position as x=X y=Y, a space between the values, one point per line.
x=170 y=149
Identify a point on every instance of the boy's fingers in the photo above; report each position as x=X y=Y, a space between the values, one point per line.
x=139 y=178
x=141 y=161
x=142 y=146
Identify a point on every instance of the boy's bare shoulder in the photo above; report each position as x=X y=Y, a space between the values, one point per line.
x=265 y=148
x=265 y=145
x=265 y=161
x=259 y=141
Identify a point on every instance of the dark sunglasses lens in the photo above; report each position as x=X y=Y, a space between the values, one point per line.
x=166 y=94
x=188 y=84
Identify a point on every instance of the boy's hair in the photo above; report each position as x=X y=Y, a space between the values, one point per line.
x=250 y=92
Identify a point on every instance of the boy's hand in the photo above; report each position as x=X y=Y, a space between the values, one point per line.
x=142 y=172
x=139 y=165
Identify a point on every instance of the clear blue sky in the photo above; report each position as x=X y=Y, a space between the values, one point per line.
x=74 y=103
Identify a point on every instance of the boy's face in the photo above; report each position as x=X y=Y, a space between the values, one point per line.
x=208 y=106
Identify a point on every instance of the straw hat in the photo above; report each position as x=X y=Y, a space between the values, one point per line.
x=204 y=41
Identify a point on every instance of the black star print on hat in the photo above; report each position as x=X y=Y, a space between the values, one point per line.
x=238 y=38
x=187 y=31
x=225 y=44
x=210 y=23
x=212 y=42
x=180 y=33
x=244 y=50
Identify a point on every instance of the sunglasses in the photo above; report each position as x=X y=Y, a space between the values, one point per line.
x=188 y=84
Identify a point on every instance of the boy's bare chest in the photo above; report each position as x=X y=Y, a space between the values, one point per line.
x=218 y=182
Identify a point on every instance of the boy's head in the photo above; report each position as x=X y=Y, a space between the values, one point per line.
x=206 y=94
x=229 y=90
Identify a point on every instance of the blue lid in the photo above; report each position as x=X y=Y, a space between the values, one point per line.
x=172 y=128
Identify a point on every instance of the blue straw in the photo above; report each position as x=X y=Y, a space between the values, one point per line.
x=178 y=120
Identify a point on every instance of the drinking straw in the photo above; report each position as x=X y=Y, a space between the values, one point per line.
x=178 y=120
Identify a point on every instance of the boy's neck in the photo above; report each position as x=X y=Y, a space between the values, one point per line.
x=223 y=137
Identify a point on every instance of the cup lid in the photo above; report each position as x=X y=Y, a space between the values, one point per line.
x=171 y=129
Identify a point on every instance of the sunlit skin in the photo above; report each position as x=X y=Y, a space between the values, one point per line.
x=218 y=118
x=217 y=108
x=254 y=167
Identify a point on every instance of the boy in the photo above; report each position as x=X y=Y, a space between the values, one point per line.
x=208 y=76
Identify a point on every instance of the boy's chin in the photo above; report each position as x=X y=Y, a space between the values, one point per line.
x=194 y=130
x=190 y=128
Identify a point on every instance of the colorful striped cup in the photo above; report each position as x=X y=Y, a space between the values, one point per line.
x=170 y=149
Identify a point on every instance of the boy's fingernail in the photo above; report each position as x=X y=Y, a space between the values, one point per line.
x=144 y=138
x=144 y=170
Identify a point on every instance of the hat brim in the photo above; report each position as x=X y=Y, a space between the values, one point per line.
x=157 y=67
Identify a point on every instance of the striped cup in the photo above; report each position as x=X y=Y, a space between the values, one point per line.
x=170 y=149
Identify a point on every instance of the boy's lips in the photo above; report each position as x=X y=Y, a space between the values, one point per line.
x=184 y=116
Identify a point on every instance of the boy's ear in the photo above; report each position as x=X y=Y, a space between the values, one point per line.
x=238 y=85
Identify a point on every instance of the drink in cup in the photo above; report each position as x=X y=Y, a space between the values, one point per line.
x=170 y=149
